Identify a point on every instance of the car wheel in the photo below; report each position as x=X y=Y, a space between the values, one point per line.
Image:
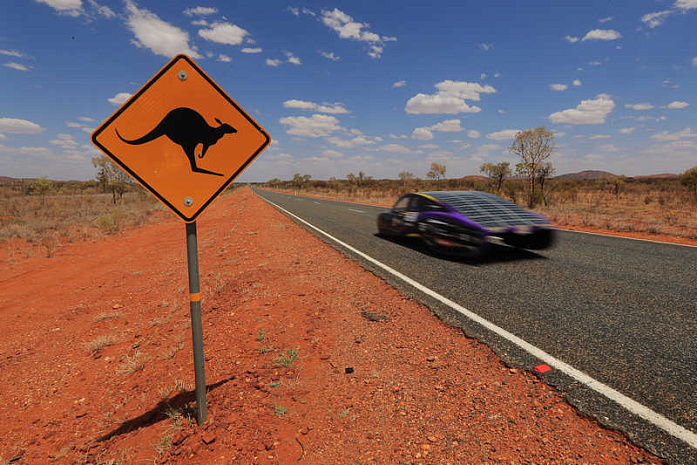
x=427 y=236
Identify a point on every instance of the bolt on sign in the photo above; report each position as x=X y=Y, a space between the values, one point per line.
x=182 y=137
x=185 y=140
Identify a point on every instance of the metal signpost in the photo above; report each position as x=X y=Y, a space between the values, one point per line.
x=184 y=140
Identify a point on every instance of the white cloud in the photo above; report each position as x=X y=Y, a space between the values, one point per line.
x=626 y=130
x=351 y=143
x=506 y=134
x=450 y=98
x=65 y=141
x=120 y=98
x=605 y=20
x=577 y=82
x=200 y=11
x=273 y=63
x=473 y=134
x=19 y=126
x=501 y=111
x=451 y=125
x=686 y=4
x=399 y=84
x=678 y=105
x=329 y=55
x=159 y=37
x=85 y=118
x=438 y=103
x=587 y=112
x=65 y=7
x=292 y=59
x=666 y=136
x=336 y=108
x=224 y=33
x=426 y=133
x=422 y=134
x=694 y=61
x=655 y=19
x=394 y=148
x=102 y=10
x=224 y=58
x=608 y=148
x=314 y=126
x=429 y=146
x=558 y=87
x=599 y=136
x=571 y=39
x=199 y=22
x=602 y=34
x=332 y=154
x=640 y=106
x=251 y=50
x=17 y=66
x=486 y=47
x=12 y=53
x=347 y=28
x=594 y=63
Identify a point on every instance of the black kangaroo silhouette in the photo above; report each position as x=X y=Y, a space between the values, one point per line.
x=186 y=128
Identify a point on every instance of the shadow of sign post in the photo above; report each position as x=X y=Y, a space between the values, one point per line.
x=160 y=137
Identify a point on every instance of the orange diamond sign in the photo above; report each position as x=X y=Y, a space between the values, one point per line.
x=182 y=137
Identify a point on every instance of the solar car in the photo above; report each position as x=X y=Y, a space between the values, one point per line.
x=465 y=223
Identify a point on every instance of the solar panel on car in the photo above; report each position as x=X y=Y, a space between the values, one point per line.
x=487 y=210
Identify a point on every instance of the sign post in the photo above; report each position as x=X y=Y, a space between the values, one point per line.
x=184 y=140
x=196 y=323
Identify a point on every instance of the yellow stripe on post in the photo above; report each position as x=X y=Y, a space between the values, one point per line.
x=196 y=297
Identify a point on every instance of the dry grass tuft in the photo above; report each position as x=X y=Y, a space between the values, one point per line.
x=98 y=344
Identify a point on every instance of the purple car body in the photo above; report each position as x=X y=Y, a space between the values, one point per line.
x=465 y=222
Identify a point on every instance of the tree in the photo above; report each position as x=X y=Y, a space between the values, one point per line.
x=533 y=147
x=41 y=187
x=689 y=180
x=497 y=173
x=300 y=179
x=544 y=172
x=406 y=177
x=111 y=177
x=436 y=172
x=275 y=183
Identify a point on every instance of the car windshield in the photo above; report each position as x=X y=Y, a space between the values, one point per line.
x=487 y=210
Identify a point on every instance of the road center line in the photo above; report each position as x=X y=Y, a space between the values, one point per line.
x=631 y=405
x=357 y=211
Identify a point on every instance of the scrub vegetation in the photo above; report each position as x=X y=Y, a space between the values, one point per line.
x=38 y=216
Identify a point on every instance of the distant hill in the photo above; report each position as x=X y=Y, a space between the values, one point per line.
x=589 y=174
x=658 y=176
x=475 y=178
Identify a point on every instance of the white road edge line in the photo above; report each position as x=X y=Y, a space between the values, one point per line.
x=631 y=405
x=357 y=211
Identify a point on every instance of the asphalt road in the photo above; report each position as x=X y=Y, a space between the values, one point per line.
x=622 y=311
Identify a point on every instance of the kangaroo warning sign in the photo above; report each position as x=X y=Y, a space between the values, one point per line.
x=182 y=137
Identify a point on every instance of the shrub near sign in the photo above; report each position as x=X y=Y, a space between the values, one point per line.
x=182 y=137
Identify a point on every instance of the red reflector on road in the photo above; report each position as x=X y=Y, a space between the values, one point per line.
x=542 y=368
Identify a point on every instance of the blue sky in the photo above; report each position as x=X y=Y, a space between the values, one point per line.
x=378 y=87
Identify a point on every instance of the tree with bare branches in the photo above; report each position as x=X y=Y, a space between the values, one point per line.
x=533 y=147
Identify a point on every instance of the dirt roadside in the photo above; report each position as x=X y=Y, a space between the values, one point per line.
x=376 y=378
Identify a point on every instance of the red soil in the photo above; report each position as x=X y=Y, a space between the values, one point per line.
x=419 y=392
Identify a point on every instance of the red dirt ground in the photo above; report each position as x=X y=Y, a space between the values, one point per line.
x=419 y=392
